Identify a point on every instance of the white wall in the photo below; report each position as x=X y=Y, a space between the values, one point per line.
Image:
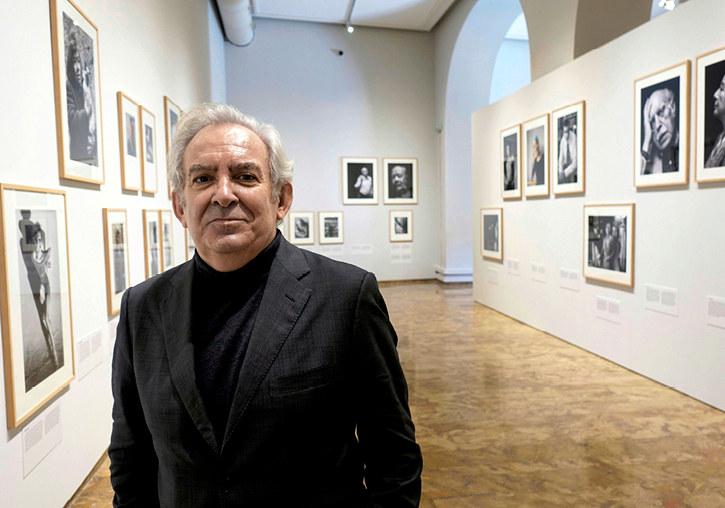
x=679 y=238
x=377 y=100
x=148 y=49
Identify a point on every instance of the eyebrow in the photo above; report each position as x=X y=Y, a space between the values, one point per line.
x=242 y=166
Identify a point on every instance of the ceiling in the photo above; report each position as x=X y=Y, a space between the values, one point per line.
x=403 y=14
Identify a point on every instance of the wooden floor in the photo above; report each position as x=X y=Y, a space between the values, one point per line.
x=508 y=416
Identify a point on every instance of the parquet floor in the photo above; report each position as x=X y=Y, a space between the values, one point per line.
x=508 y=416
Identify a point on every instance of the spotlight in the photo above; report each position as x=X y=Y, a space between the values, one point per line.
x=350 y=28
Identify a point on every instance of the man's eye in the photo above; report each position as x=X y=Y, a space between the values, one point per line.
x=201 y=179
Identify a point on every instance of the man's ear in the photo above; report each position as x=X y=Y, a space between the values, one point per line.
x=178 y=208
x=285 y=200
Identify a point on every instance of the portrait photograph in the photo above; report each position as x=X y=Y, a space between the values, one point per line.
x=511 y=162
x=359 y=181
x=710 y=111
x=190 y=246
x=35 y=305
x=115 y=232
x=567 y=161
x=330 y=227
x=661 y=126
x=167 y=240
x=609 y=243
x=77 y=92
x=172 y=113
x=148 y=150
x=152 y=242
x=400 y=181
x=492 y=233
x=128 y=136
x=536 y=144
x=401 y=225
x=302 y=228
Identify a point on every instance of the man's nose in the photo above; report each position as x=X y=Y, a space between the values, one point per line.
x=224 y=192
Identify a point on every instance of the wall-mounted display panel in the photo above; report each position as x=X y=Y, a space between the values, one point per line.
x=710 y=111
x=129 y=146
x=492 y=233
x=302 y=228
x=609 y=243
x=331 y=227
x=148 y=150
x=359 y=181
x=568 y=149
x=400 y=181
x=152 y=242
x=511 y=162
x=115 y=233
x=536 y=146
x=401 y=225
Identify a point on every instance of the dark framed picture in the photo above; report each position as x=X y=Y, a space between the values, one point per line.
x=609 y=243
x=511 y=162
x=77 y=84
x=302 y=228
x=401 y=225
x=331 y=227
x=172 y=113
x=35 y=304
x=147 y=133
x=129 y=145
x=568 y=149
x=710 y=111
x=400 y=181
x=662 y=127
x=152 y=242
x=190 y=246
x=167 y=240
x=359 y=181
x=536 y=146
x=115 y=234
x=492 y=233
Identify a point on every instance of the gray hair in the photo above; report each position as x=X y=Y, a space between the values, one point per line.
x=204 y=115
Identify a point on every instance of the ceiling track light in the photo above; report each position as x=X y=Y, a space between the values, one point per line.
x=350 y=28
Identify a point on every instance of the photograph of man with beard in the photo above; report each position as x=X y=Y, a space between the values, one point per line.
x=715 y=115
x=401 y=181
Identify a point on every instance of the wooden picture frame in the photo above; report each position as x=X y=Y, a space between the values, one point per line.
x=359 y=181
x=77 y=84
x=568 y=149
x=536 y=167
x=331 y=227
x=152 y=242
x=492 y=233
x=302 y=228
x=115 y=235
x=400 y=181
x=172 y=114
x=190 y=247
x=710 y=115
x=401 y=225
x=128 y=139
x=167 y=239
x=510 y=164
x=147 y=133
x=35 y=298
x=609 y=243
x=665 y=160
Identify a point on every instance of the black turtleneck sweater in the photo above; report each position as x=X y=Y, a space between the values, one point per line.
x=225 y=306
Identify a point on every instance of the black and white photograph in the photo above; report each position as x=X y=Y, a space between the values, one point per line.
x=401 y=225
x=152 y=242
x=536 y=143
x=567 y=159
x=608 y=242
x=148 y=148
x=167 y=240
x=115 y=228
x=400 y=181
x=331 y=227
x=78 y=106
x=172 y=113
x=511 y=162
x=302 y=228
x=492 y=233
x=359 y=181
x=36 y=319
x=128 y=136
x=710 y=144
x=661 y=127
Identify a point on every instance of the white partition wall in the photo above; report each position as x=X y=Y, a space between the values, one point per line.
x=660 y=327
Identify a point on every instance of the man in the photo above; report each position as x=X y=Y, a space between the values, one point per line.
x=660 y=145
x=400 y=186
x=509 y=169
x=256 y=374
x=364 y=184
x=717 y=155
x=537 y=164
x=81 y=116
x=567 y=154
x=609 y=247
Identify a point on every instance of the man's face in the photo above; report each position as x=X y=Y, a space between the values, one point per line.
x=566 y=129
x=364 y=171
x=720 y=99
x=536 y=146
x=663 y=121
x=608 y=229
x=228 y=205
x=77 y=71
x=399 y=179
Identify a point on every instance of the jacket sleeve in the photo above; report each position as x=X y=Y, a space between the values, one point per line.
x=393 y=461
x=134 y=466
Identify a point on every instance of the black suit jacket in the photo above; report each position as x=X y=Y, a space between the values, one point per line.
x=321 y=399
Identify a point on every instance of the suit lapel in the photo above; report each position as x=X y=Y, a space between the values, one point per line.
x=282 y=303
x=176 y=317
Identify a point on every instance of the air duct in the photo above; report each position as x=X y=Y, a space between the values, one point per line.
x=237 y=20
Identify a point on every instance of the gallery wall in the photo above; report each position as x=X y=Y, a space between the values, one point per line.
x=678 y=234
x=148 y=49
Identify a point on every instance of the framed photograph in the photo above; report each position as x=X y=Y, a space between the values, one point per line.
x=401 y=225
x=331 y=227
x=152 y=242
x=511 y=162
x=302 y=228
x=115 y=234
x=400 y=181
x=190 y=247
x=172 y=113
x=661 y=127
x=129 y=146
x=536 y=145
x=35 y=302
x=609 y=243
x=77 y=81
x=167 y=240
x=359 y=181
x=710 y=133
x=147 y=134
x=568 y=149
x=492 y=233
